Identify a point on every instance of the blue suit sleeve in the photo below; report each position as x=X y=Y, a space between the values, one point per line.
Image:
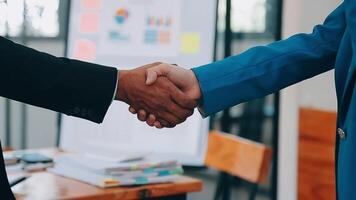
x=266 y=69
x=350 y=14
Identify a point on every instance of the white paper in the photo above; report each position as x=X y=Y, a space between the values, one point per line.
x=121 y=131
x=140 y=28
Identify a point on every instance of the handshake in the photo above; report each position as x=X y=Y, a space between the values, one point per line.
x=162 y=95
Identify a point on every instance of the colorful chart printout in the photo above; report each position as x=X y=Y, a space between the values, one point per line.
x=140 y=28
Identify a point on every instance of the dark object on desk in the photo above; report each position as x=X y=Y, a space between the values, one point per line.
x=18 y=180
x=32 y=158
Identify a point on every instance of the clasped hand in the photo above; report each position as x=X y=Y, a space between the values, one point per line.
x=163 y=95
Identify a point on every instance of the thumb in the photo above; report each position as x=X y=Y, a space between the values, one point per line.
x=153 y=73
x=151 y=77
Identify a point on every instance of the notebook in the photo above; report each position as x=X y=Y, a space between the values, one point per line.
x=105 y=181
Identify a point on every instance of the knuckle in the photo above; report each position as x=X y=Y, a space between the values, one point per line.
x=183 y=120
x=166 y=105
x=176 y=121
x=164 y=123
x=190 y=112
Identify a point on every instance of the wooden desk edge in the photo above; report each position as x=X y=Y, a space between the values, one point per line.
x=182 y=185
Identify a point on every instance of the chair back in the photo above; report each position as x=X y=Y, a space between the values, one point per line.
x=239 y=157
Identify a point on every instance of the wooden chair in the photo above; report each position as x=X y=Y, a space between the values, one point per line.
x=7 y=149
x=316 y=154
x=239 y=157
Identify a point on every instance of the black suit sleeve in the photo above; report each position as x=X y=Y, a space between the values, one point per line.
x=69 y=86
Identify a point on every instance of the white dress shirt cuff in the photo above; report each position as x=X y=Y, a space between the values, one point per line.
x=117 y=82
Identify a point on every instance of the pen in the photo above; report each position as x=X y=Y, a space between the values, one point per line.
x=18 y=180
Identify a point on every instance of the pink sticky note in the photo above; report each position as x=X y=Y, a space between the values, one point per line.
x=84 y=50
x=90 y=4
x=89 y=23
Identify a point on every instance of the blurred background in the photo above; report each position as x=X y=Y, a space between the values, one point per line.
x=241 y=24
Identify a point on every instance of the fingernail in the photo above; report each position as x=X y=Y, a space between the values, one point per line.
x=132 y=110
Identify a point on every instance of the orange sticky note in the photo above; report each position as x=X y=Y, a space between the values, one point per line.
x=90 y=4
x=84 y=50
x=89 y=23
x=164 y=37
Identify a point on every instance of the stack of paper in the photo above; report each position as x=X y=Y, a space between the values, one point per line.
x=105 y=172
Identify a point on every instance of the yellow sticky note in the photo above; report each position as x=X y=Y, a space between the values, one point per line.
x=190 y=43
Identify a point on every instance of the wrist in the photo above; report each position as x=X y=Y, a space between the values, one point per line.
x=196 y=92
x=120 y=89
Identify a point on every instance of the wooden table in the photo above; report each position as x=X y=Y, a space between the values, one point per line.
x=45 y=185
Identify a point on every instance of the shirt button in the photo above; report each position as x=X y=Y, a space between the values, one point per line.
x=341 y=133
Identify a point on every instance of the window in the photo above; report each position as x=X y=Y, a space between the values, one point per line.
x=251 y=19
x=32 y=18
x=248 y=16
x=11 y=17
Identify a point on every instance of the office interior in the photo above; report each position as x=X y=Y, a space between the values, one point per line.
x=273 y=120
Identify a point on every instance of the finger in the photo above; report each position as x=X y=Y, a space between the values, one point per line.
x=149 y=124
x=182 y=100
x=154 y=72
x=179 y=112
x=142 y=115
x=132 y=110
x=150 y=65
x=162 y=123
x=151 y=120
x=170 y=118
x=151 y=77
x=158 y=125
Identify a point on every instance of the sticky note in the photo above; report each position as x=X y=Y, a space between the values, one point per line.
x=84 y=50
x=190 y=43
x=164 y=37
x=151 y=37
x=89 y=23
x=90 y=4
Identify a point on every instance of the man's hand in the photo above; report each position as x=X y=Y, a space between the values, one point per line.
x=162 y=98
x=184 y=79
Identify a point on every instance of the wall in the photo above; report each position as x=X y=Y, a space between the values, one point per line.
x=301 y=16
x=319 y=92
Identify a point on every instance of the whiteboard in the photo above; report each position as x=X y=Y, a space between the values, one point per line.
x=132 y=33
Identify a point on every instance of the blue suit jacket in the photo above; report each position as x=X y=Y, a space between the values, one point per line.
x=266 y=69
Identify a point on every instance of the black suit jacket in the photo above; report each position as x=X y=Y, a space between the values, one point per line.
x=68 y=86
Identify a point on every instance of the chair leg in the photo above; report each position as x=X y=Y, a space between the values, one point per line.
x=223 y=189
x=218 y=190
x=227 y=187
x=254 y=189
